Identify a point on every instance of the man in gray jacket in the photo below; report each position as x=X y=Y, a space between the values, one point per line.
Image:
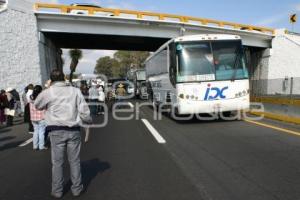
x=66 y=109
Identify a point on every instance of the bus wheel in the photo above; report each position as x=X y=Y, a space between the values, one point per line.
x=226 y=114
x=174 y=113
x=230 y=116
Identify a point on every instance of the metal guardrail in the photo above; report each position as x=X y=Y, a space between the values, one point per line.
x=160 y=16
x=283 y=91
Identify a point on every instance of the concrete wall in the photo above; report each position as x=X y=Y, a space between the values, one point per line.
x=285 y=59
x=20 y=62
x=50 y=56
x=284 y=63
x=26 y=55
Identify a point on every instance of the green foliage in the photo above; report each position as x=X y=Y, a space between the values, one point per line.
x=131 y=58
x=121 y=62
x=107 y=66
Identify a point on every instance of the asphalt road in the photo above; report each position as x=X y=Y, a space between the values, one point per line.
x=209 y=160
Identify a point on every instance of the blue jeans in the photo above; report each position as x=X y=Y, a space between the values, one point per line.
x=39 y=134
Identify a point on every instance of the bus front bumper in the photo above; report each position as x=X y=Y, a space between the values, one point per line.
x=214 y=106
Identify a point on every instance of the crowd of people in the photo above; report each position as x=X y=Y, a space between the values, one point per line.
x=47 y=116
x=10 y=107
x=96 y=98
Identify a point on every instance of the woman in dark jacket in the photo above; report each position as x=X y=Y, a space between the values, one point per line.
x=3 y=105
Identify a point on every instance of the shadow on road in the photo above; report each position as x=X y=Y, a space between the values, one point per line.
x=90 y=169
x=7 y=138
x=4 y=129
x=10 y=145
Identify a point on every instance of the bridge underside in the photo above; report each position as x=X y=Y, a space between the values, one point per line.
x=111 y=30
x=109 y=42
x=68 y=31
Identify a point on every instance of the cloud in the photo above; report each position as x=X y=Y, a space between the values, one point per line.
x=87 y=64
x=272 y=20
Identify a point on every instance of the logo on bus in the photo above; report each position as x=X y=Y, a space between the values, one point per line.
x=213 y=93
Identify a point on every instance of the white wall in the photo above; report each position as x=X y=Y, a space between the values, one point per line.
x=284 y=62
x=285 y=58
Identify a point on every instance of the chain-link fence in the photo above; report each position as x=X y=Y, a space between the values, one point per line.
x=288 y=87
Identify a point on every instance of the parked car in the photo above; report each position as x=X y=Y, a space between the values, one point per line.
x=142 y=90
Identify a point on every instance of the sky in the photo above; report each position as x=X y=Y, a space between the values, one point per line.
x=267 y=13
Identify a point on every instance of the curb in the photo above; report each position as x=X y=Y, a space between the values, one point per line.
x=276 y=100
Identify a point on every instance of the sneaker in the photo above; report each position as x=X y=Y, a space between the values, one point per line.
x=56 y=196
x=77 y=195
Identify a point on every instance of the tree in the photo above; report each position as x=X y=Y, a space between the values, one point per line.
x=75 y=55
x=119 y=65
x=107 y=66
x=129 y=59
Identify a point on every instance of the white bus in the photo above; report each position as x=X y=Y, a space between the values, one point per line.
x=199 y=74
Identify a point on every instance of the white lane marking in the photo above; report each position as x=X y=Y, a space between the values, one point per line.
x=26 y=142
x=154 y=132
x=130 y=104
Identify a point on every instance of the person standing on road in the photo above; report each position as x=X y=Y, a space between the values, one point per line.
x=38 y=121
x=66 y=109
x=3 y=105
x=93 y=99
x=10 y=107
x=26 y=100
x=17 y=99
x=85 y=91
x=101 y=99
x=120 y=94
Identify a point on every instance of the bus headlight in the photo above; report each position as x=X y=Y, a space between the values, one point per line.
x=242 y=93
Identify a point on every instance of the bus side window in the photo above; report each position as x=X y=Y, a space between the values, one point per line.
x=172 y=67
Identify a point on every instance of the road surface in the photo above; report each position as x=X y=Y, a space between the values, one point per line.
x=147 y=159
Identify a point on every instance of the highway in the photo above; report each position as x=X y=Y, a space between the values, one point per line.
x=147 y=159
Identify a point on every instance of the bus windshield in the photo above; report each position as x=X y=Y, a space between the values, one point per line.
x=210 y=61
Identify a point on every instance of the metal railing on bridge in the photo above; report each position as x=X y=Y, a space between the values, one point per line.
x=64 y=9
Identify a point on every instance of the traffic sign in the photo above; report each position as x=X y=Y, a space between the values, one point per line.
x=293 y=18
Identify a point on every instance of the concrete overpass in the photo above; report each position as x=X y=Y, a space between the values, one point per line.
x=33 y=34
x=119 y=29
